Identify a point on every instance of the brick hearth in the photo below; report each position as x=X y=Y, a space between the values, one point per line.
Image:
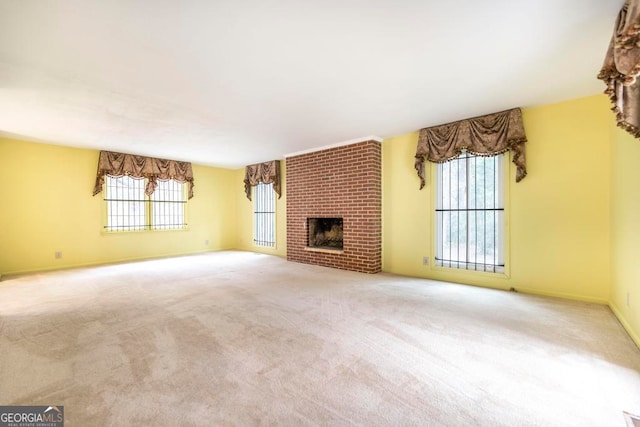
x=344 y=182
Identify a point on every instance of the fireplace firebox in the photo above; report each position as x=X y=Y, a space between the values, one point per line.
x=325 y=233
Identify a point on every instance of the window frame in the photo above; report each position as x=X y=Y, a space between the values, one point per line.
x=150 y=207
x=271 y=228
x=505 y=167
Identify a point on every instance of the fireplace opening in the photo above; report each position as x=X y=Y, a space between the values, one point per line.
x=325 y=233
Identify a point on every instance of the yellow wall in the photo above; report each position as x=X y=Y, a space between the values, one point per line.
x=244 y=209
x=572 y=223
x=625 y=231
x=558 y=216
x=46 y=206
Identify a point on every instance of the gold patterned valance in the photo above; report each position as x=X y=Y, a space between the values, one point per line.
x=622 y=66
x=119 y=164
x=267 y=173
x=488 y=135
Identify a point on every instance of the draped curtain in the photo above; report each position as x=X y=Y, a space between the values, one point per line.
x=622 y=66
x=488 y=135
x=267 y=173
x=119 y=164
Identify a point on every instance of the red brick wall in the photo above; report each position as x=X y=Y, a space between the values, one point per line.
x=341 y=182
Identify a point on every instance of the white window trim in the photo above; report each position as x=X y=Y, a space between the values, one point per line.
x=505 y=167
x=254 y=238
x=148 y=225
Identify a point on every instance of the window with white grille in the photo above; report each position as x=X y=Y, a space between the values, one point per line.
x=469 y=214
x=128 y=208
x=264 y=215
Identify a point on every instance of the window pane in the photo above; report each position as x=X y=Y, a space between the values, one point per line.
x=125 y=203
x=264 y=215
x=167 y=206
x=470 y=213
x=128 y=208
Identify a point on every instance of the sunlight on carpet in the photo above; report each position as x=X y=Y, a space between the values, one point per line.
x=236 y=338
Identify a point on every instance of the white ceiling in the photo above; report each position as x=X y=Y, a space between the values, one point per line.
x=233 y=82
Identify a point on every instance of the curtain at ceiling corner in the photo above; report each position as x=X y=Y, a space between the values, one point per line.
x=267 y=173
x=621 y=68
x=120 y=164
x=487 y=135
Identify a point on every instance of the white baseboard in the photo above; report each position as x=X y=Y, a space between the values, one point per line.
x=616 y=311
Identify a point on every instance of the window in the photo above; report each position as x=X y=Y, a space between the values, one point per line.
x=264 y=215
x=469 y=218
x=167 y=206
x=128 y=208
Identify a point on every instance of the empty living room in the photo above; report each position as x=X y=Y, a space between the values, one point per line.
x=319 y=213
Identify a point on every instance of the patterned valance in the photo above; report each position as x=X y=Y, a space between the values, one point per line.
x=267 y=173
x=622 y=66
x=119 y=164
x=488 y=135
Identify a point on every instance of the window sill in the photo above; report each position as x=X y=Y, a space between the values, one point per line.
x=266 y=248
x=478 y=273
x=116 y=233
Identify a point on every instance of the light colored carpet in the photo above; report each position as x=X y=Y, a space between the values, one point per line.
x=235 y=338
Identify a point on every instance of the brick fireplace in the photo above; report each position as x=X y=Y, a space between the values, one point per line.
x=341 y=183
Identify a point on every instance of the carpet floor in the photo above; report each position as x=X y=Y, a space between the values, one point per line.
x=237 y=338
